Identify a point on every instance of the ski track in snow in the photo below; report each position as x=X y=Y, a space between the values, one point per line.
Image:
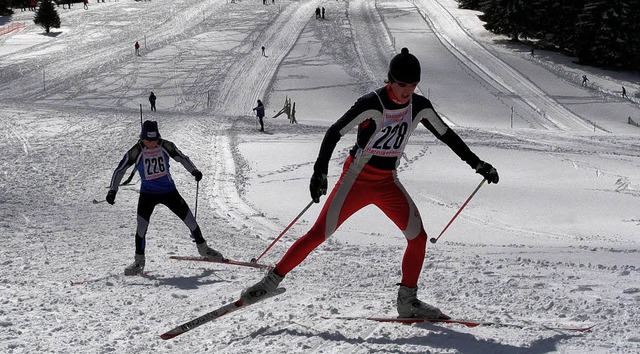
x=61 y=146
x=496 y=72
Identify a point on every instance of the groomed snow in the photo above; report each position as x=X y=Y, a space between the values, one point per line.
x=554 y=243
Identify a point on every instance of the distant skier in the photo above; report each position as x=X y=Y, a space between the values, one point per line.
x=624 y=92
x=152 y=101
x=137 y=48
x=385 y=119
x=263 y=51
x=151 y=156
x=585 y=80
x=260 y=114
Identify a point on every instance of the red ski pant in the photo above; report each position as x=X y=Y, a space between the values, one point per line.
x=358 y=187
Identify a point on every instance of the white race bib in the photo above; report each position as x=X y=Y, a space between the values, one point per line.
x=392 y=138
x=154 y=164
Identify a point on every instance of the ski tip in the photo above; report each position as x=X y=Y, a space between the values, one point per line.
x=572 y=329
x=167 y=335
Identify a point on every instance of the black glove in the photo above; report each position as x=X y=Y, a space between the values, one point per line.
x=197 y=174
x=318 y=186
x=488 y=172
x=111 y=197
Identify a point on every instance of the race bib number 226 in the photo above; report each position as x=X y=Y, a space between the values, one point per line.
x=155 y=165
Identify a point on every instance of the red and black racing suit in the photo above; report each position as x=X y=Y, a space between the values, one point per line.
x=369 y=174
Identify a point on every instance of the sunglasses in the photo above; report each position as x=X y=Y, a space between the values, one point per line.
x=404 y=84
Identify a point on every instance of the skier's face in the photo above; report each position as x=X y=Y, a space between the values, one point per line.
x=150 y=144
x=403 y=90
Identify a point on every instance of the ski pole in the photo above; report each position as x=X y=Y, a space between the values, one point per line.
x=195 y=211
x=435 y=239
x=255 y=260
x=128 y=180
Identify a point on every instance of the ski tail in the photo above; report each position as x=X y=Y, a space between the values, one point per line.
x=215 y=314
x=224 y=261
x=199 y=321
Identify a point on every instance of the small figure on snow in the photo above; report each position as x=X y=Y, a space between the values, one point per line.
x=385 y=119
x=317 y=12
x=137 y=48
x=260 y=114
x=585 y=80
x=152 y=101
x=263 y=51
x=624 y=92
x=151 y=155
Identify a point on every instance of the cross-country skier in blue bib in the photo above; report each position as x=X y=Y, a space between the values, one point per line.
x=151 y=156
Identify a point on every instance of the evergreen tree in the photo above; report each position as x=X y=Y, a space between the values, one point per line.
x=603 y=39
x=5 y=8
x=631 y=26
x=469 y=4
x=47 y=16
x=598 y=32
x=565 y=22
x=554 y=22
x=508 y=17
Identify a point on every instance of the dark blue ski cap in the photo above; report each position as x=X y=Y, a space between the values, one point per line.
x=150 y=130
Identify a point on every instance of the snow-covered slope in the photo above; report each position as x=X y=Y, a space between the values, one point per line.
x=554 y=243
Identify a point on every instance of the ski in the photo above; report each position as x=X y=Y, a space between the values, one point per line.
x=124 y=184
x=406 y=320
x=215 y=314
x=226 y=261
x=468 y=323
x=572 y=329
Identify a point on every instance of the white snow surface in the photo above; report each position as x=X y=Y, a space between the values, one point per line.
x=554 y=243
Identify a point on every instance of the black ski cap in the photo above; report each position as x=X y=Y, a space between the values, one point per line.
x=150 y=130
x=404 y=67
